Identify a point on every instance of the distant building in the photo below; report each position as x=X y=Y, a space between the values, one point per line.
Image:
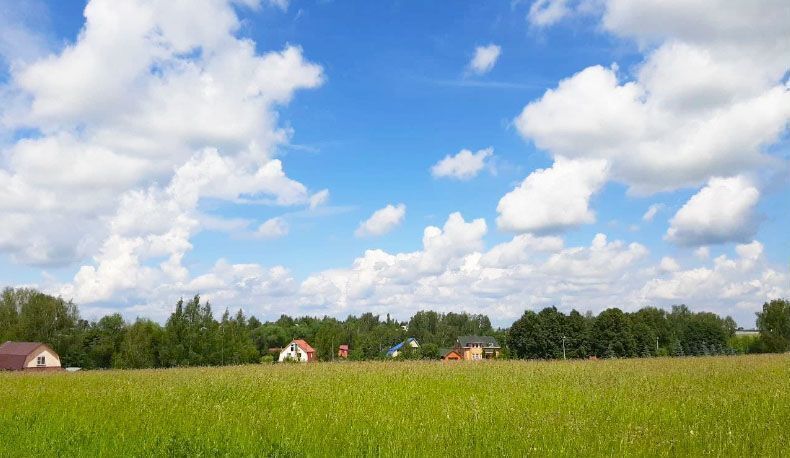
x=28 y=356
x=342 y=351
x=474 y=348
x=451 y=354
x=396 y=349
x=297 y=350
x=747 y=332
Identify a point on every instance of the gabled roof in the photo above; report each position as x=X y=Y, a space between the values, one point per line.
x=446 y=351
x=398 y=346
x=14 y=354
x=343 y=347
x=304 y=345
x=487 y=341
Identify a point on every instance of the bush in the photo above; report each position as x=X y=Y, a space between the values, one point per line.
x=267 y=359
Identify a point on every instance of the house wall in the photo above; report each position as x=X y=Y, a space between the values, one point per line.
x=51 y=359
x=287 y=353
x=474 y=353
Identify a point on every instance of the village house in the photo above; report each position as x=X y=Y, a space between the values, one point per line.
x=28 y=356
x=451 y=354
x=474 y=348
x=342 y=351
x=297 y=350
x=396 y=349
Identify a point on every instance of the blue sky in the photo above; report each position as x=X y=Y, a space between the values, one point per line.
x=651 y=113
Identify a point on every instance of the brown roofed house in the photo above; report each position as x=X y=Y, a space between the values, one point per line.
x=28 y=356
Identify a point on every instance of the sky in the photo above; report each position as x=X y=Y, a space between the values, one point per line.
x=318 y=157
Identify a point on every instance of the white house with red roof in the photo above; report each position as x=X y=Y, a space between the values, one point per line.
x=298 y=350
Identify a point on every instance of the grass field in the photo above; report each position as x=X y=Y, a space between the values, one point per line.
x=725 y=406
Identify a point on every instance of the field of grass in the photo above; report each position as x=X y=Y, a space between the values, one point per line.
x=725 y=406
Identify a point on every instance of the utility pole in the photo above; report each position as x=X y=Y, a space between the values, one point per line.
x=656 y=345
x=563 y=347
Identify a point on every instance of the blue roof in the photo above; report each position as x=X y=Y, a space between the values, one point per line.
x=397 y=347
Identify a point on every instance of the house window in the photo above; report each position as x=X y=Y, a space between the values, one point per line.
x=41 y=361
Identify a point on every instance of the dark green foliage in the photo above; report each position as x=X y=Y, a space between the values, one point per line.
x=141 y=346
x=193 y=337
x=774 y=325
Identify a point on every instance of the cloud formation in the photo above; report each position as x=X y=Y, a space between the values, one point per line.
x=463 y=166
x=187 y=104
x=484 y=59
x=273 y=228
x=723 y=211
x=382 y=221
x=707 y=100
x=553 y=199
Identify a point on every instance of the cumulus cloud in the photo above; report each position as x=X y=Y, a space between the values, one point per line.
x=131 y=142
x=382 y=221
x=553 y=199
x=484 y=59
x=462 y=166
x=722 y=211
x=273 y=228
x=707 y=100
x=730 y=285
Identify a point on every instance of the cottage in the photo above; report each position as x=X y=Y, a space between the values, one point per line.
x=396 y=349
x=342 y=351
x=297 y=350
x=475 y=348
x=28 y=356
x=451 y=354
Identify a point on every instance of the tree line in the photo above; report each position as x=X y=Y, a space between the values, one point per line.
x=192 y=336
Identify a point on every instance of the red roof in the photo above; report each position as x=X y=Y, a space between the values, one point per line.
x=14 y=354
x=344 y=347
x=304 y=346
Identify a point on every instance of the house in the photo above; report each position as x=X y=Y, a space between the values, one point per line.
x=28 y=356
x=451 y=354
x=297 y=350
x=396 y=349
x=342 y=351
x=475 y=348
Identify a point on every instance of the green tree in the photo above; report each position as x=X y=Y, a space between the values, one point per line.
x=774 y=325
x=141 y=346
x=612 y=335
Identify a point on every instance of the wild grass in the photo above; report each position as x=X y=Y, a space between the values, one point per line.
x=721 y=406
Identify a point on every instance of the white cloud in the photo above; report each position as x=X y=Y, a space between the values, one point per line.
x=463 y=166
x=485 y=58
x=738 y=286
x=553 y=199
x=133 y=141
x=652 y=211
x=706 y=101
x=547 y=12
x=722 y=211
x=319 y=198
x=273 y=228
x=668 y=264
x=382 y=221
x=702 y=253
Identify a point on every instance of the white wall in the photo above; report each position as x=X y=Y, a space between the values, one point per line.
x=287 y=353
x=51 y=359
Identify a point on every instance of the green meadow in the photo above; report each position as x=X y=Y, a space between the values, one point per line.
x=722 y=406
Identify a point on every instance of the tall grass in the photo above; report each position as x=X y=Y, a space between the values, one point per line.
x=724 y=406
